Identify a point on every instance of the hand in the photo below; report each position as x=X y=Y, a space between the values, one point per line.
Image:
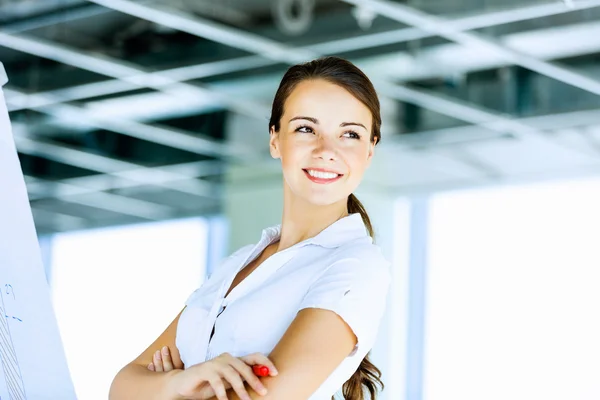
x=214 y=377
x=162 y=361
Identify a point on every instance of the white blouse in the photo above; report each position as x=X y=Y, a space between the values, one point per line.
x=340 y=269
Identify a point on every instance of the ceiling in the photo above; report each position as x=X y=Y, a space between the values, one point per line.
x=126 y=111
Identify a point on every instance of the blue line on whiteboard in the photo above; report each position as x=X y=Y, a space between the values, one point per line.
x=8 y=285
x=10 y=362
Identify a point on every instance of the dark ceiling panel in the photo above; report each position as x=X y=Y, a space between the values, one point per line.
x=40 y=167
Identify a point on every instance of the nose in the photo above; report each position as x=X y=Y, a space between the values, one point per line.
x=325 y=149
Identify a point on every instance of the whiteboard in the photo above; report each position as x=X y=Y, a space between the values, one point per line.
x=33 y=364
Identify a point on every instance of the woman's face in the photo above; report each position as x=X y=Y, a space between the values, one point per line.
x=323 y=142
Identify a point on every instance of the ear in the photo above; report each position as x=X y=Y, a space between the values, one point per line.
x=274 y=143
x=371 y=151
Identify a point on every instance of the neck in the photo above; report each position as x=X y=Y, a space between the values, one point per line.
x=302 y=220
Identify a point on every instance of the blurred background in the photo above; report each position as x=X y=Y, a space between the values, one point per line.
x=141 y=128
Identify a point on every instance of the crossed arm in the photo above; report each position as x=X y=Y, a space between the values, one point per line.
x=315 y=343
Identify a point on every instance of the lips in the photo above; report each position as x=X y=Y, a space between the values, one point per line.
x=322 y=176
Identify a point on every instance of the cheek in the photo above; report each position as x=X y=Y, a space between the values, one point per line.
x=357 y=160
x=289 y=160
x=293 y=153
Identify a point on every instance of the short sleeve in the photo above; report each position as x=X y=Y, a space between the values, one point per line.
x=356 y=290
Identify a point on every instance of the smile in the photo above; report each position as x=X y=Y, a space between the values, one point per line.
x=322 y=176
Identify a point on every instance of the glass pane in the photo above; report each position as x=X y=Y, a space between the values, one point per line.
x=513 y=294
x=115 y=290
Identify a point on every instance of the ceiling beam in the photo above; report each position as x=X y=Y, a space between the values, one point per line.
x=460 y=23
x=193 y=25
x=435 y=102
x=526 y=178
x=180 y=74
x=165 y=136
x=187 y=23
x=456 y=108
x=47 y=20
x=478 y=116
x=124 y=71
x=444 y=28
x=185 y=172
x=56 y=220
x=106 y=165
x=204 y=28
x=461 y=135
x=107 y=201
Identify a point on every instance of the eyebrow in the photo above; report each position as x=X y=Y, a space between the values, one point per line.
x=316 y=121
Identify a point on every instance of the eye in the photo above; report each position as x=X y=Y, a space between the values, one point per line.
x=352 y=135
x=304 y=129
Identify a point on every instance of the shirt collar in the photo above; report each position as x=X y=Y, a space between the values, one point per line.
x=341 y=231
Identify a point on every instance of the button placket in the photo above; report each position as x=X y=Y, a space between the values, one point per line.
x=258 y=276
x=222 y=301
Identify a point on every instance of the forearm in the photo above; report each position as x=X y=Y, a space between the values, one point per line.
x=232 y=395
x=137 y=382
x=277 y=389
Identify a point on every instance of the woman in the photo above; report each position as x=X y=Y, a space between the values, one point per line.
x=311 y=292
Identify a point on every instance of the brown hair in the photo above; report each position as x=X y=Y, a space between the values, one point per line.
x=346 y=75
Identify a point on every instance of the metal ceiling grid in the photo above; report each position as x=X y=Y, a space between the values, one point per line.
x=113 y=188
x=450 y=107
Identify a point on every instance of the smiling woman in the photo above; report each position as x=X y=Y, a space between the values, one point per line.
x=326 y=112
x=311 y=293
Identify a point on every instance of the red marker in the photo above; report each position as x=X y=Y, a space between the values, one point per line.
x=260 y=370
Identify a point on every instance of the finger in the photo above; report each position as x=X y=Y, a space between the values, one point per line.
x=167 y=361
x=260 y=370
x=246 y=371
x=158 y=367
x=260 y=359
x=151 y=366
x=231 y=375
x=218 y=388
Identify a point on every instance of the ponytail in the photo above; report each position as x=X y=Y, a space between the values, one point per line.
x=367 y=376
x=355 y=206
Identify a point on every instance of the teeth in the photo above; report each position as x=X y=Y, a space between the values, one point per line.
x=322 y=175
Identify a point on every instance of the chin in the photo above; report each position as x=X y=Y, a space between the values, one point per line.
x=320 y=202
x=320 y=196
x=323 y=199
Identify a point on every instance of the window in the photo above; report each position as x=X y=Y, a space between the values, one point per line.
x=513 y=294
x=115 y=290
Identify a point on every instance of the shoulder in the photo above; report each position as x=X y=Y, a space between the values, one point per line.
x=353 y=283
x=362 y=258
x=362 y=249
x=359 y=265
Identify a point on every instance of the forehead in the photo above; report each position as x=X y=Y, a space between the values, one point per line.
x=326 y=102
